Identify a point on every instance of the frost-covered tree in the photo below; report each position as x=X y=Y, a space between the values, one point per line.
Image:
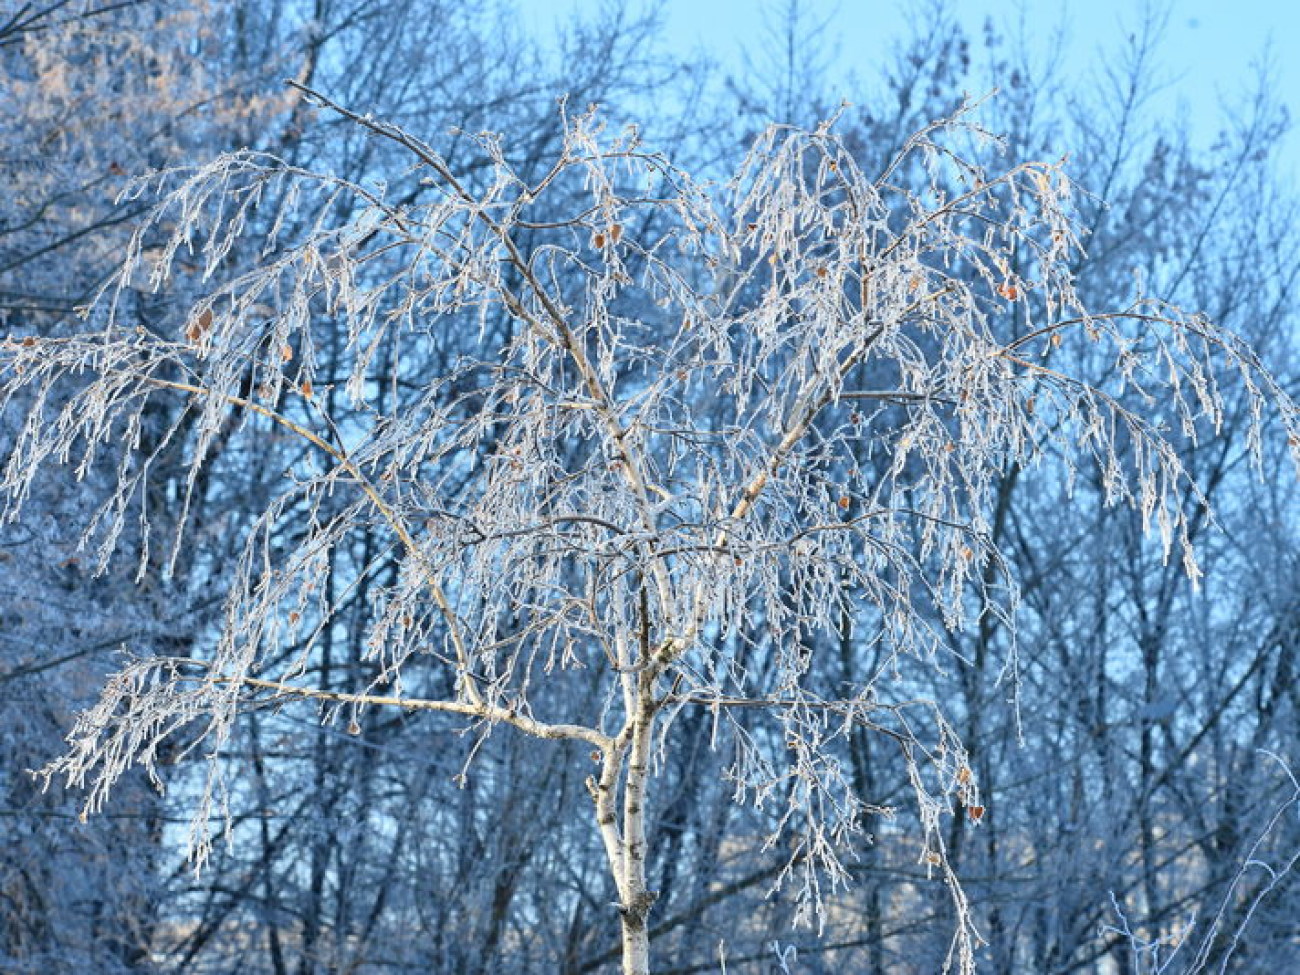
x=690 y=439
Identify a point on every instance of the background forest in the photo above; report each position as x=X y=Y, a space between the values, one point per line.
x=1131 y=735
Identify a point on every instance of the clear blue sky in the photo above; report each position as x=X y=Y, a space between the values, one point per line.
x=1207 y=56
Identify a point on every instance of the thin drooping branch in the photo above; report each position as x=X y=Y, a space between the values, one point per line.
x=478 y=710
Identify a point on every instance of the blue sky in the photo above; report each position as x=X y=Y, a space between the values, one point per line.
x=1207 y=56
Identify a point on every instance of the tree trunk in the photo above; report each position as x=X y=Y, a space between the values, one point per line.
x=637 y=899
x=636 y=941
x=626 y=847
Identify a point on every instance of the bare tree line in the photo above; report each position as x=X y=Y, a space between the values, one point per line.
x=834 y=524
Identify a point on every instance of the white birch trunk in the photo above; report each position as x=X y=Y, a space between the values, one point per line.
x=625 y=847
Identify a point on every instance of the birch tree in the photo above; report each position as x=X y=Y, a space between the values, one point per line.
x=699 y=433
